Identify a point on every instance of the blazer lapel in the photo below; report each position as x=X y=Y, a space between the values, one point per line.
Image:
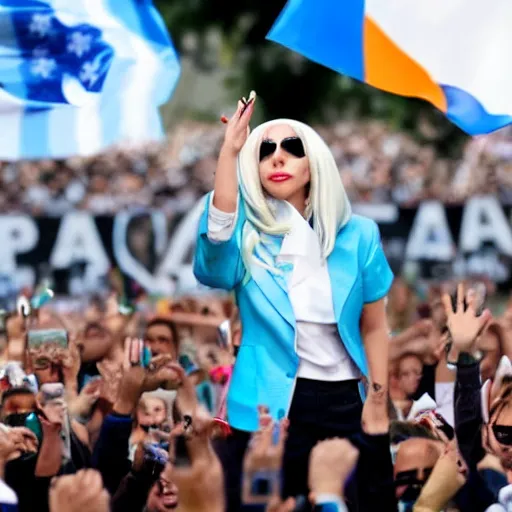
x=274 y=292
x=273 y=286
x=343 y=270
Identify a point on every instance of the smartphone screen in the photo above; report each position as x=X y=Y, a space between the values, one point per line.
x=53 y=391
x=260 y=486
x=224 y=335
x=33 y=424
x=39 y=337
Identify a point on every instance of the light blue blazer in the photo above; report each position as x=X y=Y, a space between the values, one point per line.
x=266 y=365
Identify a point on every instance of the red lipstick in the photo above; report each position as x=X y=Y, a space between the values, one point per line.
x=280 y=176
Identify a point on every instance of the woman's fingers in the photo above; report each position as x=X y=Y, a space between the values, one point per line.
x=460 y=298
x=447 y=303
x=471 y=300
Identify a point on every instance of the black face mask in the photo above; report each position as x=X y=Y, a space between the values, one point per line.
x=16 y=419
x=146 y=428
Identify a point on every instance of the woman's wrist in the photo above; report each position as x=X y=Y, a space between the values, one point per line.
x=228 y=151
x=377 y=388
x=467 y=357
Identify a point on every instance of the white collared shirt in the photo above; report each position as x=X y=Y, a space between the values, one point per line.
x=319 y=346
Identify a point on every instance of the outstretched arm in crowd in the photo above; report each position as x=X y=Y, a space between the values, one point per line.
x=111 y=450
x=448 y=476
x=464 y=327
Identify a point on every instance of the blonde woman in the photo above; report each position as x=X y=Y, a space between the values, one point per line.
x=310 y=279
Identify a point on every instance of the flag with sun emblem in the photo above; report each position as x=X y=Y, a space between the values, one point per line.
x=78 y=76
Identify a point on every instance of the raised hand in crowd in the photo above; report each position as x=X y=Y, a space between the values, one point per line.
x=16 y=338
x=195 y=468
x=81 y=407
x=14 y=442
x=263 y=460
x=463 y=322
x=422 y=339
x=111 y=375
x=52 y=420
x=330 y=465
x=70 y=364
x=82 y=492
x=448 y=476
x=162 y=372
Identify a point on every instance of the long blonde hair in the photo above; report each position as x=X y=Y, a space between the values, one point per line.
x=329 y=205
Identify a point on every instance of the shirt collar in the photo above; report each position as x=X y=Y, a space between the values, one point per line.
x=301 y=239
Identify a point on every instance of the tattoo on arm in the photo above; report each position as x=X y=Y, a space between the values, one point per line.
x=376 y=387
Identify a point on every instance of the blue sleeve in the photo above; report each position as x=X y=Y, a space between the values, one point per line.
x=110 y=455
x=377 y=274
x=219 y=264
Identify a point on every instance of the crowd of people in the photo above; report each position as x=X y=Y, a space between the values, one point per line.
x=127 y=414
x=377 y=165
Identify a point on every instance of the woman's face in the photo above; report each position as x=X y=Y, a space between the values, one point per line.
x=409 y=374
x=498 y=446
x=284 y=168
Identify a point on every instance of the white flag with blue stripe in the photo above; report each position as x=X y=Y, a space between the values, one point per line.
x=77 y=76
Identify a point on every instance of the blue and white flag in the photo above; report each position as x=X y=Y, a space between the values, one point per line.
x=77 y=76
x=452 y=53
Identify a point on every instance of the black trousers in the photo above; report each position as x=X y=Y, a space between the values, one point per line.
x=321 y=410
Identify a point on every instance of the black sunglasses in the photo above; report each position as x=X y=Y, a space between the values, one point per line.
x=292 y=145
x=503 y=434
x=410 y=477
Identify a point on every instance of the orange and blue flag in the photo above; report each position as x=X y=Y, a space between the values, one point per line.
x=454 y=54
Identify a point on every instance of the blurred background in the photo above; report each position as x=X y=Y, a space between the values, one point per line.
x=442 y=199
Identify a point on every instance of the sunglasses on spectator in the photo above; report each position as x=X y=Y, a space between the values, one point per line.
x=410 y=477
x=503 y=434
x=292 y=146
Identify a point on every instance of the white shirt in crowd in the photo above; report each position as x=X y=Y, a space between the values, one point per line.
x=319 y=346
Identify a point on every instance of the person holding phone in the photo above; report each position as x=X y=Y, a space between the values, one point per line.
x=310 y=280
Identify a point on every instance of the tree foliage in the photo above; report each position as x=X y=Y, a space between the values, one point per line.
x=289 y=85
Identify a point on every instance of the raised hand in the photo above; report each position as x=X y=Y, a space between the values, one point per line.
x=79 y=493
x=463 y=324
x=15 y=441
x=238 y=129
x=448 y=476
x=200 y=481
x=264 y=456
x=330 y=464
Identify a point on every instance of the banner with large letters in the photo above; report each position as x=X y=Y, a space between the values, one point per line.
x=78 y=249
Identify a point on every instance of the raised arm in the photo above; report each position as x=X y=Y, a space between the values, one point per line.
x=226 y=181
x=218 y=261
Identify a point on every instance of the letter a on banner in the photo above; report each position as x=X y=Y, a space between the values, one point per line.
x=484 y=221
x=430 y=237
